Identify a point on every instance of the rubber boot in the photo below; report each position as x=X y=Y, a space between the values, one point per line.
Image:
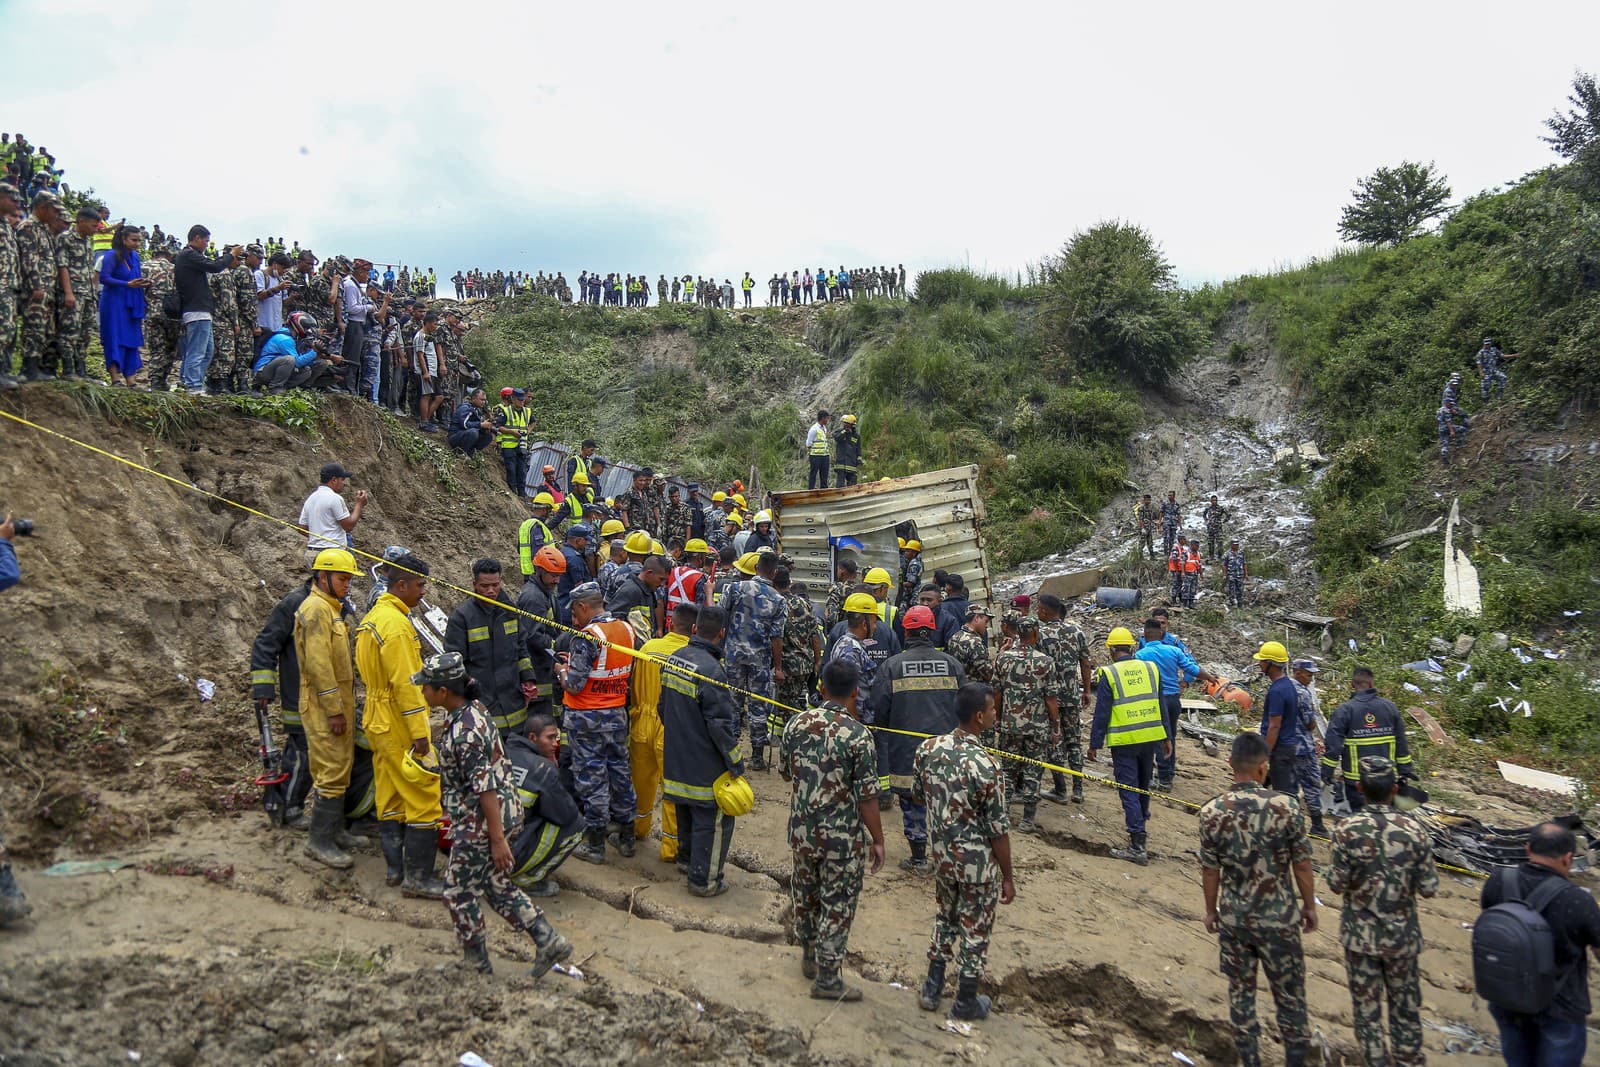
x=885 y=801
x=969 y=1005
x=759 y=762
x=296 y=819
x=808 y=961
x=477 y=956
x=1077 y=790
x=327 y=814
x=917 y=862
x=341 y=836
x=1135 y=852
x=1027 y=825
x=553 y=948
x=1295 y=1057
x=621 y=838
x=80 y=370
x=421 y=846
x=1057 y=795
x=544 y=887
x=593 y=849
x=32 y=372
x=14 y=907
x=932 y=987
x=1318 y=827
x=8 y=383
x=392 y=839
x=830 y=985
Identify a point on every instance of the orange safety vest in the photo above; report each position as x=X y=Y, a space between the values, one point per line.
x=1191 y=563
x=607 y=685
x=1176 y=560
x=682 y=587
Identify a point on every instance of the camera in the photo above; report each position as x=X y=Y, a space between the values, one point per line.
x=23 y=527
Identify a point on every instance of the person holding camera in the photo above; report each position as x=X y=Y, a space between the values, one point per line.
x=10 y=572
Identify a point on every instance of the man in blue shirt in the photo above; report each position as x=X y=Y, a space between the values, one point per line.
x=1280 y=717
x=1176 y=666
x=287 y=360
x=471 y=429
x=1167 y=636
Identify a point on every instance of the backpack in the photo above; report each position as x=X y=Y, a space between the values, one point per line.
x=1513 y=948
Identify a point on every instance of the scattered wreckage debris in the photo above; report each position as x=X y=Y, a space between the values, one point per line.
x=1461 y=592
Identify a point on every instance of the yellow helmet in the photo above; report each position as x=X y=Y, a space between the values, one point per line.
x=1120 y=637
x=851 y=419
x=696 y=547
x=913 y=545
x=886 y=478
x=746 y=564
x=902 y=541
x=611 y=527
x=425 y=775
x=611 y=501
x=863 y=603
x=734 y=795
x=638 y=543
x=735 y=518
x=738 y=498
x=718 y=497
x=877 y=576
x=579 y=478
x=544 y=500
x=1272 y=652
x=336 y=560
x=657 y=548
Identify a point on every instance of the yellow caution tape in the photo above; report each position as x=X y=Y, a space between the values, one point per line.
x=624 y=649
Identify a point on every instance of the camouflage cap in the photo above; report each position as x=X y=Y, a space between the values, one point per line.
x=1010 y=618
x=1377 y=770
x=1027 y=624
x=588 y=591
x=974 y=610
x=7 y=189
x=46 y=197
x=254 y=250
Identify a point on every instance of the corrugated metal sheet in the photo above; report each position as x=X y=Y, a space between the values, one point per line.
x=944 y=505
x=618 y=478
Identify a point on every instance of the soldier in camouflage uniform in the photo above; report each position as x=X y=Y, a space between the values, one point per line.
x=243 y=279
x=1025 y=677
x=828 y=756
x=160 y=332
x=1216 y=516
x=76 y=323
x=969 y=645
x=753 y=649
x=224 y=330
x=40 y=271
x=480 y=796
x=802 y=647
x=638 y=508
x=675 y=518
x=1382 y=861
x=1066 y=643
x=1171 y=514
x=1254 y=854
x=1235 y=570
x=10 y=277
x=845 y=571
x=969 y=831
x=1145 y=516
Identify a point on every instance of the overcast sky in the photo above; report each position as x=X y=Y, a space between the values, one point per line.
x=710 y=138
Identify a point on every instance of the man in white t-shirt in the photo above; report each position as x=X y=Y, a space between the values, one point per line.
x=270 y=287
x=325 y=516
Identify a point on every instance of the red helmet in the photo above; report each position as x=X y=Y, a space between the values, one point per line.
x=920 y=618
x=505 y=394
x=301 y=325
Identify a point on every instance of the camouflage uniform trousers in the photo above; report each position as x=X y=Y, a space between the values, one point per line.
x=1309 y=769
x=222 y=351
x=1372 y=978
x=1279 y=953
x=244 y=353
x=1147 y=537
x=913 y=817
x=1190 y=588
x=8 y=328
x=1069 y=750
x=824 y=889
x=471 y=874
x=754 y=676
x=1169 y=534
x=962 y=924
x=74 y=327
x=1233 y=590
x=1033 y=743
x=39 y=330
x=1177 y=587
x=1214 y=542
x=794 y=692
x=600 y=769
x=161 y=348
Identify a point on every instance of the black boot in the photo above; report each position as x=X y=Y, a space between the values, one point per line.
x=553 y=948
x=917 y=862
x=477 y=956
x=32 y=372
x=1077 y=790
x=392 y=839
x=1057 y=795
x=14 y=907
x=969 y=1005
x=932 y=987
x=885 y=801
x=621 y=838
x=830 y=985
x=808 y=960
x=593 y=849
x=1318 y=827
x=1295 y=1056
x=1135 y=852
x=1027 y=825
x=327 y=816
x=421 y=847
x=759 y=762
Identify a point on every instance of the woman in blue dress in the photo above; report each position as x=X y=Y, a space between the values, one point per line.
x=122 y=306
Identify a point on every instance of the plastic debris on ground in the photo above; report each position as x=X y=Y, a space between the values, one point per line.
x=1411 y=688
x=1521 y=707
x=568 y=970
x=207 y=689
x=961 y=1029
x=1425 y=666
x=1181 y=1058
x=472 y=1059
x=74 y=868
x=1572 y=614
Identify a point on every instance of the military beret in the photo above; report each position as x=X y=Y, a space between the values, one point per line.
x=1027 y=624
x=1376 y=770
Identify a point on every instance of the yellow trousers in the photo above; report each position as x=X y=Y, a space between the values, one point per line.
x=645 y=747
x=331 y=755
x=397 y=799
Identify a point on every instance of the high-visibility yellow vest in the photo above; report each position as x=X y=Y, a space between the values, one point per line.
x=101 y=240
x=515 y=419
x=749 y=282
x=1135 y=702
x=525 y=546
x=888 y=612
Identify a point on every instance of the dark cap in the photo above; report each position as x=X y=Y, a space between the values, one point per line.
x=1309 y=666
x=330 y=471
x=578 y=530
x=7 y=189
x=587 y=591
x=437 y=670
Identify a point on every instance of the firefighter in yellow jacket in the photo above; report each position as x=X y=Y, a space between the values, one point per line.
x=327 y=701
x=396 y=721
x=646 y=738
